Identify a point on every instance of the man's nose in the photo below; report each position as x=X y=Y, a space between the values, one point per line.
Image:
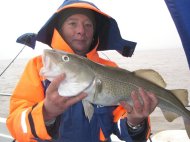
x=80 y=29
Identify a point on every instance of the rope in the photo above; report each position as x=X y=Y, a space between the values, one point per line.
x=12 y=61
x=105 y=55
x=5 y=94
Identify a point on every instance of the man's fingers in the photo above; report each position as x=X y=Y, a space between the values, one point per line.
x=146 y=101
x=128 y=107
x=75 y=99
x=56 y=82
x=138 y=104
x=153 y=100
x=150 y=101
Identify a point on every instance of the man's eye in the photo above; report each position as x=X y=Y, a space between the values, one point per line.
x=89 y=25
x=72 y=23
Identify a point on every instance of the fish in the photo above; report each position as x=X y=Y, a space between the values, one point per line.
x=107 y=86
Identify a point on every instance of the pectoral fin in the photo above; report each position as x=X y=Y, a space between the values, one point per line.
x=151 y=76
x=98 y=86
x=88 y=109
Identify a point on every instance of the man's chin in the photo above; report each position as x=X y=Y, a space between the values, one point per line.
x=81 y=52
x=80 y=49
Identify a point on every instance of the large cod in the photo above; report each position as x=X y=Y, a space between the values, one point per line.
x=108 y=86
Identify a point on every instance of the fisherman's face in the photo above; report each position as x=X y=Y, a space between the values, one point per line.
x=77 y=30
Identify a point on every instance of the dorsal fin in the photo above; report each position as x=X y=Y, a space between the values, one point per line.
x=182 y=95
x=151 y=76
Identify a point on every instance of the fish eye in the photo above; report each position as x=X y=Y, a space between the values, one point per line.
x=65 y=58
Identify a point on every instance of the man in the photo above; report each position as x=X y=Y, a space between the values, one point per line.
x=39 y=113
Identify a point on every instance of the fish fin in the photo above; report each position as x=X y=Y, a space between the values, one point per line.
x=187 y=126
x=169 y=116
x=88 y=109
x=98 y=86
x=98 y=89
x=182 y=95
x=151 y=76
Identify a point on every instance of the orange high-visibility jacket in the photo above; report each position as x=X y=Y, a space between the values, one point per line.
x=27 y=99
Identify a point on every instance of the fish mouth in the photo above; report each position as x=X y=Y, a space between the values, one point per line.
x=49 y=70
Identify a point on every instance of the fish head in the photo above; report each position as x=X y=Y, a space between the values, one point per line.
x=51 y=64
x=79 y=76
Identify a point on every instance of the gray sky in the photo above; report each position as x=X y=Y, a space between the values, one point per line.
x=146 y=22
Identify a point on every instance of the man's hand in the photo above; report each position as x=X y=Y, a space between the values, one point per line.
x=140 y=110
x=54 y=104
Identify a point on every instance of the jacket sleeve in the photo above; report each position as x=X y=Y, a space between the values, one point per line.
x=25 y=121
x=123 y=131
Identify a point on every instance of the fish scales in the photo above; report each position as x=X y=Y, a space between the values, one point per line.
x=109 y=85
x=119 y=82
